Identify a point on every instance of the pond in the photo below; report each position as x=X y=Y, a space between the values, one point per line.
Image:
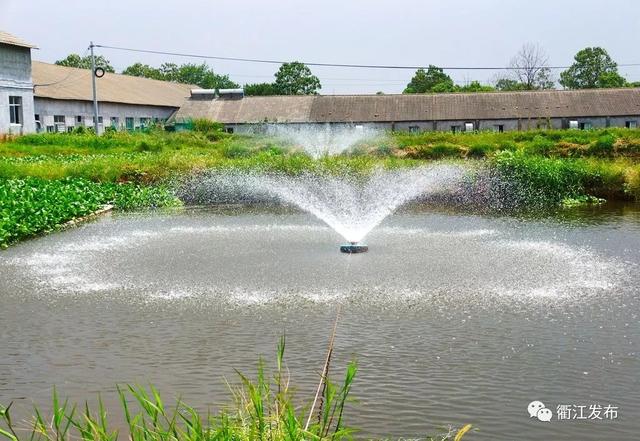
x=453 y=317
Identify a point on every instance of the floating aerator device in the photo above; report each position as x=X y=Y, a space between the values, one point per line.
x=353 y=248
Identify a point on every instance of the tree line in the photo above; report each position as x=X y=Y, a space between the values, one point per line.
x=293 y=78
x=529 y=69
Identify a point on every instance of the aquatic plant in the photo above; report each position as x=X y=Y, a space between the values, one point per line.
x=33 y=206
x=263 y=409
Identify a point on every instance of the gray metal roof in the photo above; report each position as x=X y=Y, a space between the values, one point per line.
x=428 y=107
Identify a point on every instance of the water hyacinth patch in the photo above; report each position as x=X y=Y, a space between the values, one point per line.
x=34 y=206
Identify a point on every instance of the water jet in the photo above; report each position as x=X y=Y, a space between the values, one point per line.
x=351 y=205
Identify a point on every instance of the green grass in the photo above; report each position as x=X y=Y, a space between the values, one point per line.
x=48 y=179
x=609 y=143
x=33 y=206
x=157 y=156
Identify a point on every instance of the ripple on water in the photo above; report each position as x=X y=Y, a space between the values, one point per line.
x=482 y=264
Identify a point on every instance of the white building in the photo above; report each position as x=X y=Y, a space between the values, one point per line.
x=64 y=99
x=456 y=112
x=37 y=96
x=16 y=87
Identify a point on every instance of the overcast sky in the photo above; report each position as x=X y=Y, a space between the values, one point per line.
x=398 y=32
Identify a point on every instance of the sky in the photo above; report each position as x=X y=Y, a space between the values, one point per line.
x=399 y=32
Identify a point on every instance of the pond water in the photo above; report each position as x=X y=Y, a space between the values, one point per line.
x=453 y=318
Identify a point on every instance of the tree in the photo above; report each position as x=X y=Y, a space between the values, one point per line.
x=75 y=60
x=507 y=84
x=473 y=86
x=296 y=79
x=530 y=68
x=144 y=70
x=260 y=89
x=433 y=80
x=199 y=74
x=592 y=68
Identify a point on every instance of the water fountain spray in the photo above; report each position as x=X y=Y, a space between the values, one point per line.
x=351 y=205
x=320 y=140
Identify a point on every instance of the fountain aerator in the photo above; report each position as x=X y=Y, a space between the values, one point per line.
x=354 y=248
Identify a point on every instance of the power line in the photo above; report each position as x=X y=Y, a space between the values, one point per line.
x=356 y=66
x=71 y=72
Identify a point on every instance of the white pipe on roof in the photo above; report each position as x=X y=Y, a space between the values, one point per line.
x=203 y=91
x=231 y=91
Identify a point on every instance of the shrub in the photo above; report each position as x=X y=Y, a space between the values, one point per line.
x=632 y=178
x=538 y=181
x=479 y=150
x=206 y=125
x=437 y=151
x=236 y=151
x=603 y=146
x=150 y=146
x=540 y=145
x=508 y=146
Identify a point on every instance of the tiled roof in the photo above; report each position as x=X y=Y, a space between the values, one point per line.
x=428 y=107
x=12 y=40
x=70 y=83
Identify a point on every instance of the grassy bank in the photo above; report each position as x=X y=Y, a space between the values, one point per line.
x=48 y=179
x=608 y=160
x=263 y=409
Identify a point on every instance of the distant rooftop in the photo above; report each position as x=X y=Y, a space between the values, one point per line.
x=12 y=40
x=70 y=83
x=418 y=107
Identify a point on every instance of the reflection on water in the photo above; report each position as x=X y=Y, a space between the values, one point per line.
x=454 y=318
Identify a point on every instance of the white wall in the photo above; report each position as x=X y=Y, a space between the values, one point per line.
x=15 y=80
x=47 y=108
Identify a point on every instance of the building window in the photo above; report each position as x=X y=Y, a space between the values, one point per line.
x=114 y=122
x=144 y=122
x=414 y=129
x=573 y=124
x=468 y=127
x=455 y=129
x=499 y=128
x=79 y=119
x=50 y=129
x=15 y=109
x=128 y=123
x=58 y=122
x=229 y=129
x=631 y=124
x=586 y=126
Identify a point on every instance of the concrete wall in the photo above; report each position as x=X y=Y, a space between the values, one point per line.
x=15 y=80
x=72 y=110
x=445 y=126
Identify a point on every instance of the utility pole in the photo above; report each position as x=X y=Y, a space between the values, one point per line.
x=95 y=94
